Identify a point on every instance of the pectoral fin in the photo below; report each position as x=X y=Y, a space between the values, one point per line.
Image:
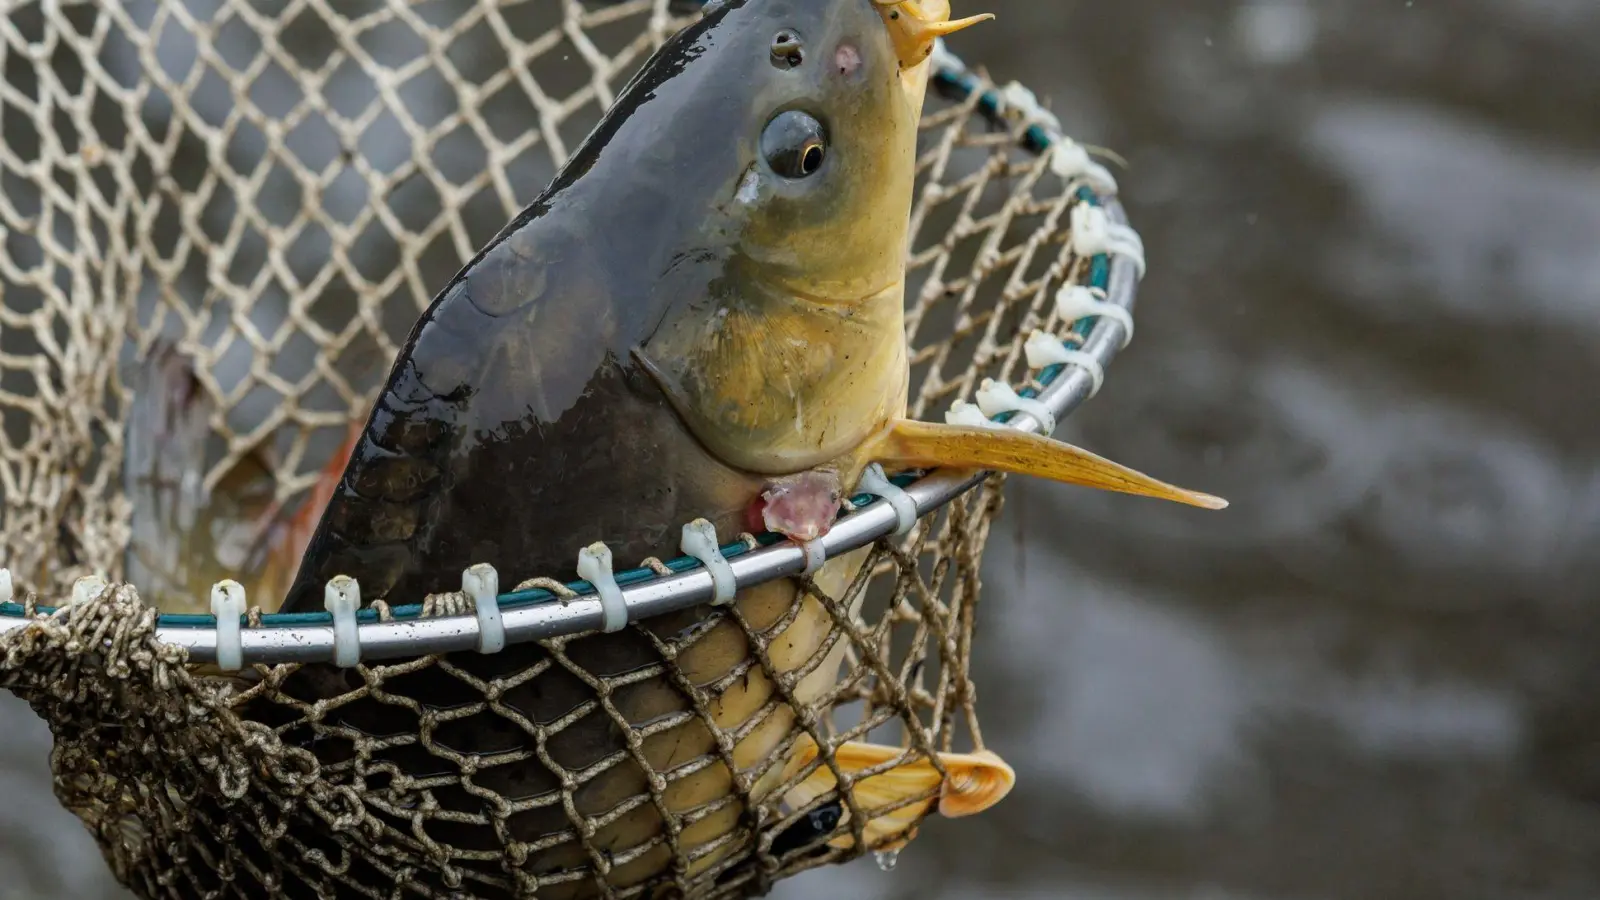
x=976 y=782
x=913 y=444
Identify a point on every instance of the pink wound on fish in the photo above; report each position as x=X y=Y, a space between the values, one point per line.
x=848 y=59
x=802 y=506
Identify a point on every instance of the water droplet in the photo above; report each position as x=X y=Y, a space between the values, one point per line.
x=886 y=859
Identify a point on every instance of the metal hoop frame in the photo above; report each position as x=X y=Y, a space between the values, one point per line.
x=538 y=614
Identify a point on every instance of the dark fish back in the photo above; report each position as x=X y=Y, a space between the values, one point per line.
x=514 y=434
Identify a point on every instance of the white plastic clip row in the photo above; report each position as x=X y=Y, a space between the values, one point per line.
x=1093 y=233
x=1070 y=161
x=874 y=482
x=700 y=541
x=996 y=397
x=1075 y=301
x=1045 y=350
x=482 y=584
x=964 y=413
x=594 y=566
x=816 y=555
x=228 y=605
x=1018 y=97
x=342 y=599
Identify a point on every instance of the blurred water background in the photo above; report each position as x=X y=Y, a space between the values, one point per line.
x=1373 y=323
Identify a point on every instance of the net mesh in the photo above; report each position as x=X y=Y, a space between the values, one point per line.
x=278 y=187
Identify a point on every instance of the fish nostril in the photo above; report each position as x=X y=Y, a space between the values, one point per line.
x=787 y=52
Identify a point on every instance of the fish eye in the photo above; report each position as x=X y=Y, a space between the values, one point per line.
x=787 y=52
x=794 y=144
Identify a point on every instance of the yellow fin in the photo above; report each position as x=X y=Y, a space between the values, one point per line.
x=910 y=443
x=976 y=782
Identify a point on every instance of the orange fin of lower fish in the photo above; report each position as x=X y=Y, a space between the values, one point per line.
x=976 y=782
x=288 y=544
x=304 y=524
x=912 y=444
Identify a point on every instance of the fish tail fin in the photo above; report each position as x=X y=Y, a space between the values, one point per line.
x=897 y=799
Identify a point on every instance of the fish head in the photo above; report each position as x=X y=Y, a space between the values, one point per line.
x=830 y=141
x=795 y=353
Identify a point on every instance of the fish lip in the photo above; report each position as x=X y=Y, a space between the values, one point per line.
x=914 y=29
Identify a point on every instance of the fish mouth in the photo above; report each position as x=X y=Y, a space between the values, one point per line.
x=915 y=24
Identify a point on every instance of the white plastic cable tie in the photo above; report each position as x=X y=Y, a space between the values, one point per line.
x=1018 y=97
x=1070 y=161
x=873 y=481
x=594 y=566
x=342 y=598
x=482 y=584
x=1045 y=349
x=944 y=60
x=816 y=555
x=6 y=590
x=87 y=588
x=964 y=413
x=227 y=604
x=1093 y=233
x=1075 y=301
x=996 y=397
x=700 y=541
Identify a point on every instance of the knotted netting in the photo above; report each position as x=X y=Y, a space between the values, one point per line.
x=272 y=192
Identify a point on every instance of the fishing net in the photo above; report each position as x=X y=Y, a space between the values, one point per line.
x=277 y=188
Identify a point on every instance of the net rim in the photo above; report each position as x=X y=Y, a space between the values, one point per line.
x=538 y=614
